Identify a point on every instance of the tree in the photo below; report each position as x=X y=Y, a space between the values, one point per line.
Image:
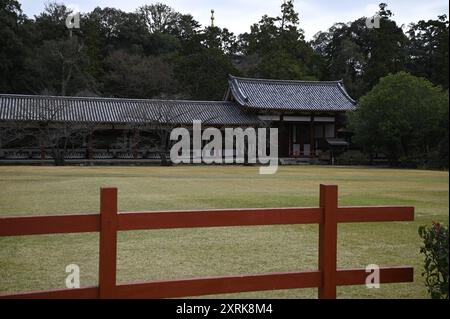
x=217 y=38
x=428 y=50
x=402 y=117
x=13 y=132
x=279 y=44
x=360 y=55
x=51 y=23
x=203 y=65
x=112 y=29
x=137 y=76
x=54 y=133
x=385 y=47
x=162 y=23
x=159 y=18
x=274 y=32
x=203 y=75
x=60 y=68
x=343 y=56
x=12 y=47
x=37 y=55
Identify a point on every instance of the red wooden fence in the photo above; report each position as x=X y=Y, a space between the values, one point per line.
x=326 y=278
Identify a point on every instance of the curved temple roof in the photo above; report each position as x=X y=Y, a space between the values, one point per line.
x=15 y=107
x=291 y=95
x=248 y=93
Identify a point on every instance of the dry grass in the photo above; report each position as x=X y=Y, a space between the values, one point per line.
x=38 y=262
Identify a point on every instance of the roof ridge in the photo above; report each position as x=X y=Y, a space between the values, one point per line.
x=108 y=98
x=291 y=94
x=285 y=81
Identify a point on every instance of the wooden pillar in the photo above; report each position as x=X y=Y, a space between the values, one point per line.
x=312 y=138
x=135 y=144
x=89 y=152
x=108 y=243
x=41 y=146
x=42 y=150
x=288 y=127
x=328 y=241
x=335 y=125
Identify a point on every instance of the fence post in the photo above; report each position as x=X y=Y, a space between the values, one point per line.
x=108 y=242
x=328 y=241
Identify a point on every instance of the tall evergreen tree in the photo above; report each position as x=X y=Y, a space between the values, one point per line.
x=428 y=50
x=361 y=55
x=280 y=47
x=12 y=48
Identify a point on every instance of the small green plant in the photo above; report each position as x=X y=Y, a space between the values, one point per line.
x=435 y=250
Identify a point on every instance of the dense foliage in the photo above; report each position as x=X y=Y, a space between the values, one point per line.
x=158 y=52
x=361 y=56
x=406 y=118
x=435 y=251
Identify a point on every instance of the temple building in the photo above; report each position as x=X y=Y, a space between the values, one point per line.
x=310 y=117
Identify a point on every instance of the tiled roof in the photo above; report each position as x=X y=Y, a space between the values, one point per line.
x=114 y=110
x=291 y=95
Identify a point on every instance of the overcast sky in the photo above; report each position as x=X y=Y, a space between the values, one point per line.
x=238 y=15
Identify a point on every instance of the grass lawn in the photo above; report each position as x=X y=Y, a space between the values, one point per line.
x=38 y=262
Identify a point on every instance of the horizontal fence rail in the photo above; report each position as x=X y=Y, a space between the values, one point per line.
x=326 y=278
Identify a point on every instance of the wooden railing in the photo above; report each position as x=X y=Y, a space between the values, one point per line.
x=326 y=278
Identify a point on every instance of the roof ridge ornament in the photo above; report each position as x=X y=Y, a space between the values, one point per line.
x=342 y=88
x=235 y=86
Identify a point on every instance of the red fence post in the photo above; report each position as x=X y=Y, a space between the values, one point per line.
x=108 y=242
x=328 y=241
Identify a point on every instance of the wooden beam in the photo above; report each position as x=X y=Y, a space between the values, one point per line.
x=375 y=214
x=387 y=275
x=55 y=224
x=219 y=285
x=218 y=218
x=77 y=293
x=224 y=284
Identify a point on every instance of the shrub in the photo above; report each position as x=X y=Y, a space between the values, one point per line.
x=435 y=250
x=353 y=158
x=404 y=117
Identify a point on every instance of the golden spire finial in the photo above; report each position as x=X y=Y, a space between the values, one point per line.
x=212 y=18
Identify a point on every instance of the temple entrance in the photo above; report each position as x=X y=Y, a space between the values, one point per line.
x=304 y=139
x=300 y=140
